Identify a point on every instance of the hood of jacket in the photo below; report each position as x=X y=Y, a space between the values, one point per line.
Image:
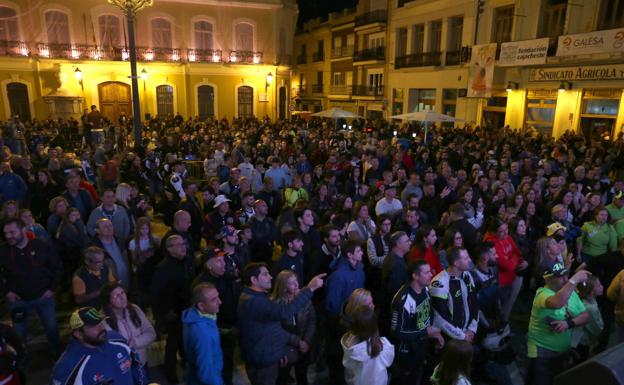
x=355 y=352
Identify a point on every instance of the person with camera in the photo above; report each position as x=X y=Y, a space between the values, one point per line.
x=557 y=309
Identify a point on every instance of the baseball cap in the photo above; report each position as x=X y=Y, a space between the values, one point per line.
x=228 y=231
x=553 y=228
x=220 y=199
x=89 y=316
x=556 y=270
x=211 y=253
x=619 y=195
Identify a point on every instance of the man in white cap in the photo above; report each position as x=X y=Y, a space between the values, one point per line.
x=95 y=356
x=221 y=216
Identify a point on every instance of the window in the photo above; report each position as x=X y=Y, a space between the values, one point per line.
x=245 y=102
x=205 y=101
x=376 y=41
x=541 y=105
x=8 y=24
x=418 y=38
x=456 y=29
x=164 y=100
x=553 y=18
x=449 y=102
x=375 y=81
x=244 y=37
x=161 y=33
x=110 y=31
x=18 y=100
x=421 y=100
x=503 y=24
x=401 y=41
x=611 y=14
x=57 y=27
x=203 y=35
x=435 y=37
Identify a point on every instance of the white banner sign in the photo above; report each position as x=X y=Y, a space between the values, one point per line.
x=520 y=53
x=611 y=40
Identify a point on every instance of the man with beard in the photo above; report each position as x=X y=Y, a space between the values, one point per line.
x=30 y=273
x=95 y=356
x=264 y=233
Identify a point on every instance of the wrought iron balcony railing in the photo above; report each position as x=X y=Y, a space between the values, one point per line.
x=339 y=52
x=379 y=16
x=317 y=88
x=364 y=90
x=341 y=89
x=418 y=60
x=302 y=59
x=378 y=53
x=318 y=56
x=14 y=48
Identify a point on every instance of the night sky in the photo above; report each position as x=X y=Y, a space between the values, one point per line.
x=310 y=9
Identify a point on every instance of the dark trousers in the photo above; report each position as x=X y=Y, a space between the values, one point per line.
x=333 y=350
x=301 y=371
x=46 y=310
x=172 y=347
x=409 y=369
x=262 y=375
x=228 y=344
x=542 y=370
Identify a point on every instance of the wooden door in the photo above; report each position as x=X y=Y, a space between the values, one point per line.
x=115 y=98
x=18 y=100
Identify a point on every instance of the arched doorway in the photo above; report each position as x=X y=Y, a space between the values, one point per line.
x=18 y=100
x=282 y=103
x=115 y=98
x=205 y=102
x=245 y=102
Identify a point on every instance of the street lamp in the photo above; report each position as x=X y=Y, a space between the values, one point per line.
x=144 y=78
x=269 y=80
x=130 y=8
x=78 y=75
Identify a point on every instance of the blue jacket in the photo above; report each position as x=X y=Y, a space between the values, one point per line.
x=341 y=283
x=12 y=187
x=202 y=348
x=113 y=362
x=263 y=341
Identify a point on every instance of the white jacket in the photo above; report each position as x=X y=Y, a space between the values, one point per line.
x=361 y=368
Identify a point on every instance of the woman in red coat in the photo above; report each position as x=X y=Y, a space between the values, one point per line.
x=509 y=261
x=424 y=248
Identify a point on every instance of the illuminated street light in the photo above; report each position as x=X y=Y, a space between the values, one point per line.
x=130 y=8
x=78 y=75
x=269 y=80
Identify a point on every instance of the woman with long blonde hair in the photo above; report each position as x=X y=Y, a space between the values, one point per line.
x=302 y=326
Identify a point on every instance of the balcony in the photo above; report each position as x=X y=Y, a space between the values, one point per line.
x=340 y=52
x=318 y=56
x=379 y=16
x=458 y=57
x=285 y=59
x=340 y=89
x=302 y=59
x=146 y=54
x=204 y=55
x=245 y=57
x=378 y=53
x=363 y=90
x=423 y=59
x=403 y=2
x=317 y=88
x=301 y=90
x=14 y=48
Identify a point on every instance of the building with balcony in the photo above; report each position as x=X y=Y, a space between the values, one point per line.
x=209 y=60
x=347 y=68
x=557 y=63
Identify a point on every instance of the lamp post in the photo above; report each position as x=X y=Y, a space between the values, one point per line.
x=267 y=84
x=78 y=75
x=130 y=8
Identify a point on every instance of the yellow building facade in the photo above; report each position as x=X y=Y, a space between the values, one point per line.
x=197 y=58
x=557 y=67
x=341 y=61
x=558 y=64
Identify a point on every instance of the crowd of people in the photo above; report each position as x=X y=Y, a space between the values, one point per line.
x=374 y=254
